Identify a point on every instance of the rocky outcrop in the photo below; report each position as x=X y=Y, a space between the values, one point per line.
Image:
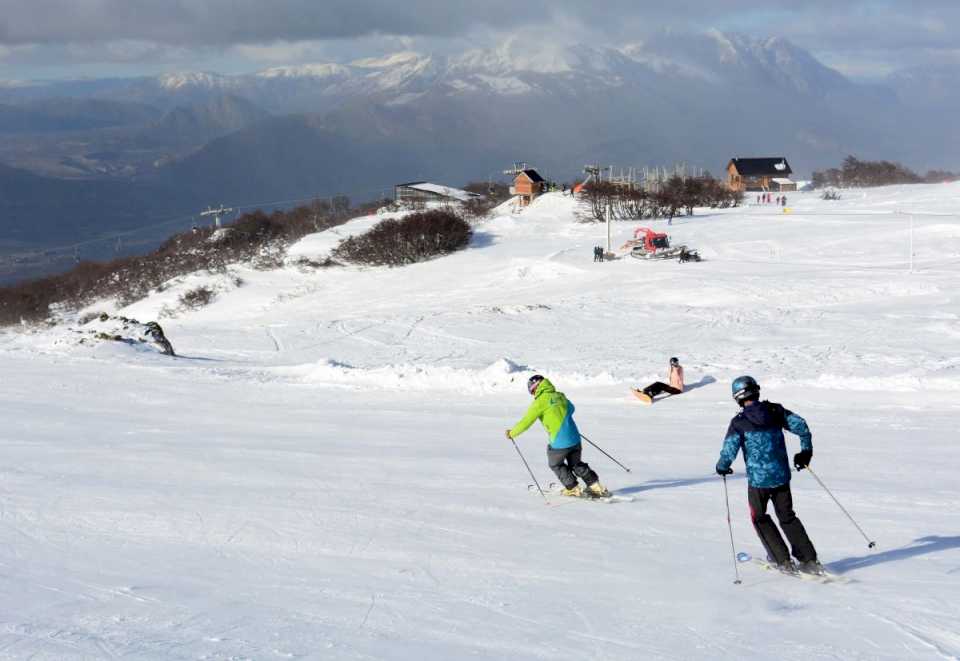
x=106 y=328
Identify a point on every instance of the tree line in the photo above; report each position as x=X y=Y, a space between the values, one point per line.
x=855 y=173
x=677 y=195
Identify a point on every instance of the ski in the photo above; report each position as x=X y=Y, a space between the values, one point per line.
x=554 y=490
x=825 y=577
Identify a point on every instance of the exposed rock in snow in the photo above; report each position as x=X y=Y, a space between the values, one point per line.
x=106 y=328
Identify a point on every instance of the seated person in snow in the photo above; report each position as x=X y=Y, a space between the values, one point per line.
x=674 y=385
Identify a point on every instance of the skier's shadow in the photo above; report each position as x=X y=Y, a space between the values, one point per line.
x=650 y=485
x=921 y=546
x=704 y=381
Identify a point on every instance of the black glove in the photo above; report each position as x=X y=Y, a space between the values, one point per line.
x=724 y=471
x=802 y=459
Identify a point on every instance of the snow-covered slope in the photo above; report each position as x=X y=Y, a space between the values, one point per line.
x=323 y=474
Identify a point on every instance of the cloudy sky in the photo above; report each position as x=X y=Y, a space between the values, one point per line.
x=89 y=38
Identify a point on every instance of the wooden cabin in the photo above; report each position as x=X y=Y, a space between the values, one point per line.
x=760 y=175
x=527 y=185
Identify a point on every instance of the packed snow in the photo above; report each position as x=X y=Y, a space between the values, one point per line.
x=322 y=471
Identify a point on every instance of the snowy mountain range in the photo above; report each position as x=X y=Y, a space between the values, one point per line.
x=514 y=67
x=294 y=131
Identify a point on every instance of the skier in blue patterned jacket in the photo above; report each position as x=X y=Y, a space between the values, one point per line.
x=758 y=430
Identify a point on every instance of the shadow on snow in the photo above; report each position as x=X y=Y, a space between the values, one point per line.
x=921 y=546
x=650 y=485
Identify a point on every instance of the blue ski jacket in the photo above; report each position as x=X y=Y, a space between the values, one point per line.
x=758 y=431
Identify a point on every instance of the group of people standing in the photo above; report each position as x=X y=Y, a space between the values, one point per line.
x=598 y=253
x=756 y=431
x=767 y=198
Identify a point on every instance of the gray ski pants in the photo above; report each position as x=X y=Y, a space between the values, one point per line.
x=568 y=466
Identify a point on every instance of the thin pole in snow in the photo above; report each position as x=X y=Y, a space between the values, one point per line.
x=870 y=542
x=911 y=243
x=609 y=239
x=733 y=549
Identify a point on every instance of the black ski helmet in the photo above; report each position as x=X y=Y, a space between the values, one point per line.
x=674 y=361
x=533 y=382
x=744 y=388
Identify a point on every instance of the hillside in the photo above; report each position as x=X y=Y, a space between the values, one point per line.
x=322 y=473
x=197 y=124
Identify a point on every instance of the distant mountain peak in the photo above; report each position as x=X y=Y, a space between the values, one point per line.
x=194 y=79
x=403 y=58
x=318 y=70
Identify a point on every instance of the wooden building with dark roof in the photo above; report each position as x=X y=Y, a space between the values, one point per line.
x=769 y=174
x=527 y=185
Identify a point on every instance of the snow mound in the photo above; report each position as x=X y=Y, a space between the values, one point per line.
x=503 y=375
x=318 y=246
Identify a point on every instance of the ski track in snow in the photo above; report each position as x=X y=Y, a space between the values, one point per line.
x=325 y=475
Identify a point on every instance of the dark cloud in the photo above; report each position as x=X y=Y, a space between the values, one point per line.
x=258 y=21
x=874 y=26
x=228 y=22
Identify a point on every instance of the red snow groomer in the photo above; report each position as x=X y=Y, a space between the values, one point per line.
x=647 y=244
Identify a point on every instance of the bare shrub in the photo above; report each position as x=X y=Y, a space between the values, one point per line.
x=635 y=203
x=414 y=238
x=198 y=297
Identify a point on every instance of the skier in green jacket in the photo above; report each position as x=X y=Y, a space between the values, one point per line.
x=555 y=413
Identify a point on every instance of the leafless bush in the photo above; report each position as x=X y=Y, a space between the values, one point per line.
x=830 y=194
x=414 y=238
x=635 y=203
x=198 y=297
x=305 y=263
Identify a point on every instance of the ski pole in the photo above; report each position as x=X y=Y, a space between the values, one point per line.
x=733 y=550
x=604 y=452
x=870 y=543
x=515 y=447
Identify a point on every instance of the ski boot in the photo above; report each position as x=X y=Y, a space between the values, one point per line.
x=597 y=490
x=812 y=567
x=787 y=567
x=573 y=492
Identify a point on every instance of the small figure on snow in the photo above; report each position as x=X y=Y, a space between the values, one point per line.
x=758 y=430
x=674 y=384
x=783 y=201
x=555 y=413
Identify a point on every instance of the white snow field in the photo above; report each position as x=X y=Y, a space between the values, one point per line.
x=323 y=474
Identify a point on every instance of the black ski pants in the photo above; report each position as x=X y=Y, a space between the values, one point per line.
x=658 y=387
x=568 y=466
x=792 y=527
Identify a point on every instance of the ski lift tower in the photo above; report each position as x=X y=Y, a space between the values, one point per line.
x=591 y=171
x=216 y=213
x=518 y=167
